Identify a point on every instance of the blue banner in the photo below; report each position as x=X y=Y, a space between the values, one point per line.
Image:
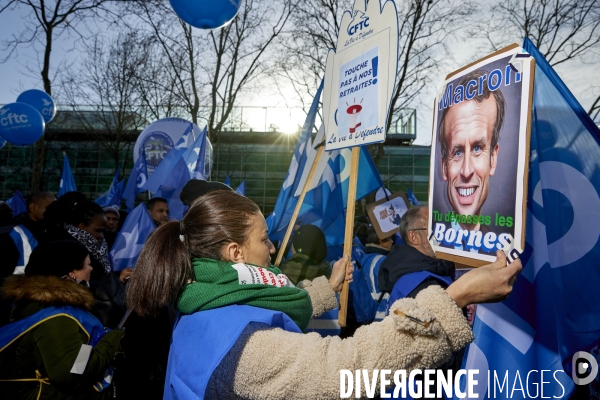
x=241 y=189
x=17 y=203
x=130 y=241
x=201 y=168
x=171 y=188
x=136 y=181
x=279 y=219
x=67 y=182
x=187 y=147
x=114 y=194
x=411 y=197
x=328 y=201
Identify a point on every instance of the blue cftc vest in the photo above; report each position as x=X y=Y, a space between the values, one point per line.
x=202 y=339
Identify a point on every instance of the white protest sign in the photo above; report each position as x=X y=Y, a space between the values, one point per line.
x=360 y=75
x=385 y=214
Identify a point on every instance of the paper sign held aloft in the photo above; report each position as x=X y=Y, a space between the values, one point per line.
x=480 y=159
x=385 y=214
x=360 y=75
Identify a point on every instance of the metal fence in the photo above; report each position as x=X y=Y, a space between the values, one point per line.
x=262 y=163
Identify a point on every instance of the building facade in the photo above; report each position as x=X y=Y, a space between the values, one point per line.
x=261 y=159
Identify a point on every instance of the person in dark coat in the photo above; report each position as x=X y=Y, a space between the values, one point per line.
x=50 y=325
x=86 y=223
x=19 y=237
x=416 y=255
x=32 y=219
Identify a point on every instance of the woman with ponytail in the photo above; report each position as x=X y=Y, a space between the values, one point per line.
x=239 y=331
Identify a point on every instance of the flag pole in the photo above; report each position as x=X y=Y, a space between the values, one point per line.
x=124 y=319
x=348 y=234
x=290 y=227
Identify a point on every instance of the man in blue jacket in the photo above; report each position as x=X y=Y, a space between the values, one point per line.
x=416 y=256
x=412 y=267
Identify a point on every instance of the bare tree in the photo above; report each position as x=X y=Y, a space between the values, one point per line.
x=209 y=70
x=45 y=23
x=424 y=28
x=104 y=92
x=240 y=50
x=303 y=51
x=563 y=30
x=594 y=110
x=180 y=57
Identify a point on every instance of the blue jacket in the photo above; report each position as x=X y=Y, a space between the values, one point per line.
x=201 y=340
x=365 y=287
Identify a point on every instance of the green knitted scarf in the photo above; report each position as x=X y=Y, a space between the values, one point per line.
x=217 y=284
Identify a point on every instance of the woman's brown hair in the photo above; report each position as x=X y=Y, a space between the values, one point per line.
x=164 y=266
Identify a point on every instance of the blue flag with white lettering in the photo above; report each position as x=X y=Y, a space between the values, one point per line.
x=130 y=241
x=279 y=219
x=67 y=182
x=531 y=338
x=136 y=181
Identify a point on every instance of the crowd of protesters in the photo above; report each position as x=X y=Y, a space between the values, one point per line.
x=60 y=294
x=56 y=253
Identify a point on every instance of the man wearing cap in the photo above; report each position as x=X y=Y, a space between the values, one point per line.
x=112 y=224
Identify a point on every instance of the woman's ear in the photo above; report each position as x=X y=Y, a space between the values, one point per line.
x=81 y=225
x=233 y=252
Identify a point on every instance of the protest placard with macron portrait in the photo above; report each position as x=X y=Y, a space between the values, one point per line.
x=478 y=171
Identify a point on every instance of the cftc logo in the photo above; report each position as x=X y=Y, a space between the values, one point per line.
x=584 y=368
x=359 y=21
x=13 y=118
